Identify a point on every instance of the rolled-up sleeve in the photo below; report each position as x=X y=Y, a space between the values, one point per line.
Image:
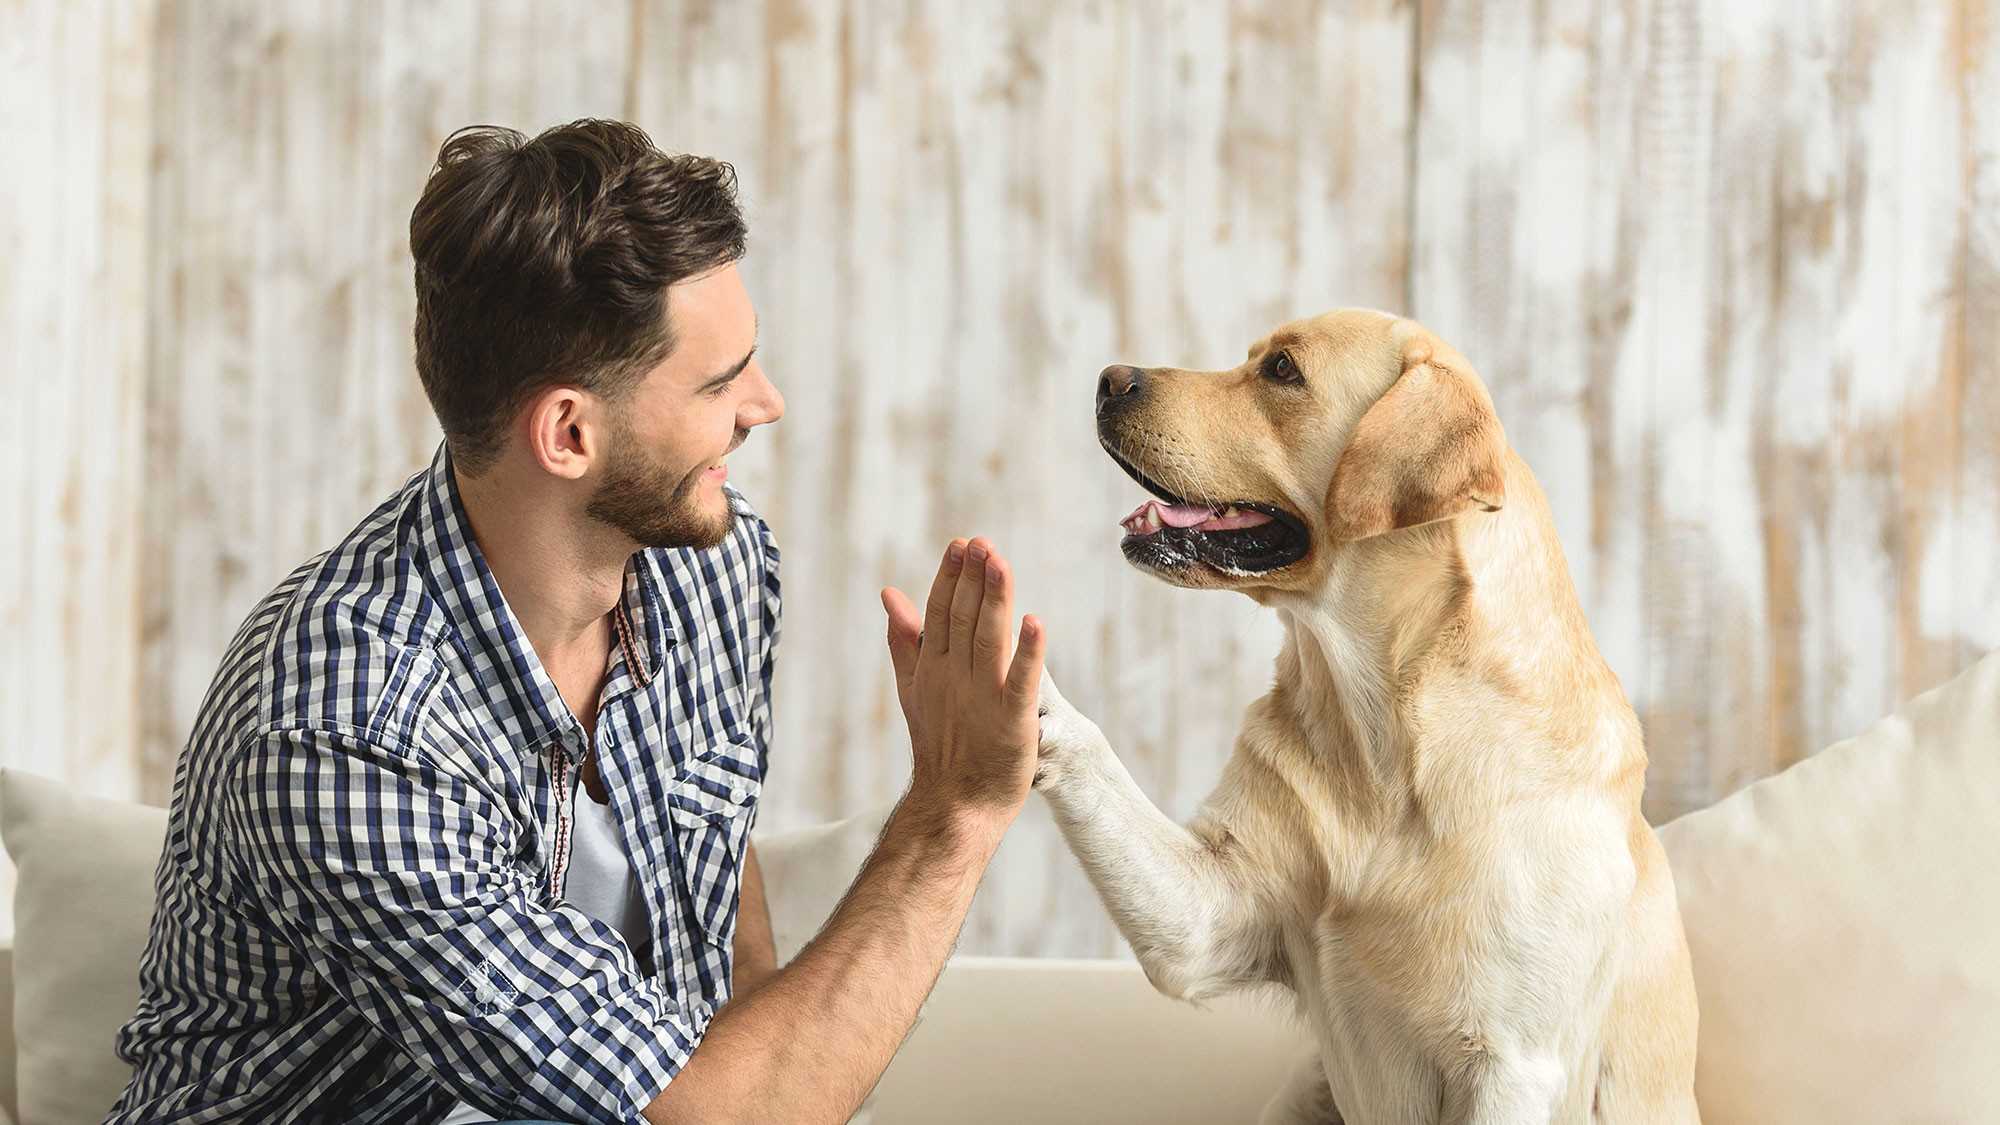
x=400 y=883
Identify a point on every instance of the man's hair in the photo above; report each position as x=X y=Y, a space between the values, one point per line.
x=547 y=261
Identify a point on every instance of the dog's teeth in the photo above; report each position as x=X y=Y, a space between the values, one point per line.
x=1229 y=511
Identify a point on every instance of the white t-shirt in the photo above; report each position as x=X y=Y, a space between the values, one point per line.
x=600 y=882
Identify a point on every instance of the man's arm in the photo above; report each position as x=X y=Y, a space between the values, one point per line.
x=755 y=952
x=810 y=1043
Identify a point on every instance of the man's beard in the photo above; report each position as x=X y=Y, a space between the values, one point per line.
x=640 y=497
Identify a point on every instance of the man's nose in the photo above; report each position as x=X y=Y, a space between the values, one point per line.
x=767 y=406
x=1117 y=381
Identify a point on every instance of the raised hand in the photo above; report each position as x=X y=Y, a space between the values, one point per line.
x=967 y=688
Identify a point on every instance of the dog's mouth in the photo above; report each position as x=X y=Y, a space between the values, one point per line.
x=1237 y=537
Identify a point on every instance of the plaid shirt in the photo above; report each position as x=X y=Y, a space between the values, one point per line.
x=358 y=915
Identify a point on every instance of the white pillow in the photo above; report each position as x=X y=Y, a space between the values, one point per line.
x=807 y=872
x=1844 y=918
x=83 y=899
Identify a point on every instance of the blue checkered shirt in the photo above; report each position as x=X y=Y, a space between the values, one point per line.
x=358 y=914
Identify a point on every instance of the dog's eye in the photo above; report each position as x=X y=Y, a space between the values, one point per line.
x=1282 y=369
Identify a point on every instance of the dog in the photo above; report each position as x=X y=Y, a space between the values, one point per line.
x=1429 y=829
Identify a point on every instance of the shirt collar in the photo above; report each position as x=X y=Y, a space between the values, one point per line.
x=511 y=678
x=642 y=611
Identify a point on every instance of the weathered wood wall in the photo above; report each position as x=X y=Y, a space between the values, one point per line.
x=1730 y=270
x=75 y=132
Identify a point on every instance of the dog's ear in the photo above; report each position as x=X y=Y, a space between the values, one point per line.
x=1430 y=448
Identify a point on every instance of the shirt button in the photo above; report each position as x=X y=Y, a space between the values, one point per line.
x=737 y=795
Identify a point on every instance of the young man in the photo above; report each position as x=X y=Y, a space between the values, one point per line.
x=461 y=832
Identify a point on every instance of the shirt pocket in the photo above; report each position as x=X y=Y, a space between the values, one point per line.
x=711 y=804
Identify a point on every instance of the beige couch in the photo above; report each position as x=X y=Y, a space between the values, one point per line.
x=1844 y=918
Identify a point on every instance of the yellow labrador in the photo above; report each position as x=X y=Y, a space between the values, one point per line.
x=1429 y=829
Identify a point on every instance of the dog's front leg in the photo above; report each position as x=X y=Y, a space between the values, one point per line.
x=1183 y=902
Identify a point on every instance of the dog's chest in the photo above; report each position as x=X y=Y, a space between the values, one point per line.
x=1375 y=1065
x=1433 y=961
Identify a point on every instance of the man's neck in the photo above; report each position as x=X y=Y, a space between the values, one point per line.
x=560 y=572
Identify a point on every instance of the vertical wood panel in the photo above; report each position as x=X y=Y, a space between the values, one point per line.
x=294 y=140
x=1729 y=269
x=74 y=93
x=1963 y=597
x=958 y=218
x=1745 y=321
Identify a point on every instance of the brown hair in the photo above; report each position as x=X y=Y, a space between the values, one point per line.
x=547 y=261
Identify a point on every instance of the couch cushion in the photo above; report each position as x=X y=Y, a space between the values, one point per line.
x=83 y=898
x=1005 y=1041
x=1844 y=918
x=807 y=872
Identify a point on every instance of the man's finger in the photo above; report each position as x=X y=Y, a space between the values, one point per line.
x=937 y=611
x=991 y=639
x=905 y=634
x=1024 y=677
x=965 y=599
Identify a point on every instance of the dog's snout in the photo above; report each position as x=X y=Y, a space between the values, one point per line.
x=1118 y=380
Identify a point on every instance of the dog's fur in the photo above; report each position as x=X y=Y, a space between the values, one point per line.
x=1429 y=829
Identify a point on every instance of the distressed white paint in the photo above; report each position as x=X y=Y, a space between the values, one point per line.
x=75 y=83
x=1730 y=270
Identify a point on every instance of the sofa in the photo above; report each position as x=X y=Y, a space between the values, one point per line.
x=1844 y=919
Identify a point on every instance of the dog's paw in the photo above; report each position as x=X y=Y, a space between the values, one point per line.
x=1066 y=736
x=1055 y=714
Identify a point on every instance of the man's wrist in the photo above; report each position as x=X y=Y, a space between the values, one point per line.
x=955 y=825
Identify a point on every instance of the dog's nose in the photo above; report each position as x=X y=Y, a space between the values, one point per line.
x=1117 y=380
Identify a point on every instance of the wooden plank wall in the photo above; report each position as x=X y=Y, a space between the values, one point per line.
x=1729 y=269
x=75 y=92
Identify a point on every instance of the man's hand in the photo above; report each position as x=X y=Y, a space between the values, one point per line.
x=968 y=692
x=808 y=1044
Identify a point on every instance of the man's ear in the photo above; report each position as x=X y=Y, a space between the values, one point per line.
x=1430 y=448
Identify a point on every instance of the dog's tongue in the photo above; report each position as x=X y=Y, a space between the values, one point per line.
x=1153 y=514
x=1176 y=515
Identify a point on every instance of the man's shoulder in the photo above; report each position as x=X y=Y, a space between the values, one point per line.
x=337 y=636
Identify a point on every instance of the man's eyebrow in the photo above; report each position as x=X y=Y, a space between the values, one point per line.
x=735 y=369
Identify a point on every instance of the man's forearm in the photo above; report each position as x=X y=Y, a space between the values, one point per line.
x=808 y=1045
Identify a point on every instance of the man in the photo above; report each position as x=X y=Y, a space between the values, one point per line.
x=461 y=832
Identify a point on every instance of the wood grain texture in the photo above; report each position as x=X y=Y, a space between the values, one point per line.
x=1732 y=271
x=75 y=87
x=1715 y=261
x=958 y=218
